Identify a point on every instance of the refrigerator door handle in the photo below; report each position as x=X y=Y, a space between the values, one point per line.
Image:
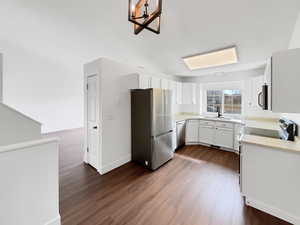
x=162 y=134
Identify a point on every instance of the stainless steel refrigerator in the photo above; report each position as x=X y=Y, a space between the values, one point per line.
x=152 y=127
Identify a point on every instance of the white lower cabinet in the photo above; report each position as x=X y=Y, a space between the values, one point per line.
x=192 y=129
x=270 y=180
x=224 y=137
x=206 y=132
x=222 y=134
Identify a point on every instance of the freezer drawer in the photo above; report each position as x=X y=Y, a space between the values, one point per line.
x=162 y=149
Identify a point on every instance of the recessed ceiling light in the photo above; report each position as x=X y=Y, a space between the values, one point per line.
x=212 y=59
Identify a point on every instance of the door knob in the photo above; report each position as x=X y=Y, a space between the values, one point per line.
x=95 y=127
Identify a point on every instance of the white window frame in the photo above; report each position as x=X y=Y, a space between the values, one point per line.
x=221 y=87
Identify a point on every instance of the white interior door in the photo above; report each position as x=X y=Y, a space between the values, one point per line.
x=92 y=121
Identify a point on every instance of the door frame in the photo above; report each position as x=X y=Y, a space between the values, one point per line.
x=98 y=119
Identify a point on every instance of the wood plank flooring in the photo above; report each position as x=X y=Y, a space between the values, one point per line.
x=198 y=187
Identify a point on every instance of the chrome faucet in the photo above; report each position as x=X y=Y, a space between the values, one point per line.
x=219 y=112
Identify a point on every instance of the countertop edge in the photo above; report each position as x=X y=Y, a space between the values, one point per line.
x=210 y=119
x=27 y=144
x=275 y=146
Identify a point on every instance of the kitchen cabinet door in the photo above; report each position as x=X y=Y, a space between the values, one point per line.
x=164 y=84
x=224 y=137
x=285 y=81
x=178 y=93
x=144 y=82
x=188 y=93
x=192 y=129
x=155 y=82
x=173 y=88
x=206 y=134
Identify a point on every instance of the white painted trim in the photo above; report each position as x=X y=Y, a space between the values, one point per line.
x=26 y=145
x=209 y=145
x=21 y=114
x=56 y=221
x=192 y=143
x=235 y=85
x=115 y=164
x=61 y=130
x=273 y=211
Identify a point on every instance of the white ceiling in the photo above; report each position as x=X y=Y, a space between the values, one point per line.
x=72 y=32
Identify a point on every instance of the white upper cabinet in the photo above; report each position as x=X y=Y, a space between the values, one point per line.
x=173 y=88
x=285 y=81
x=164 y=84
x=189 y=93
x=155 y=82
x=144 y=81
x=178 y=93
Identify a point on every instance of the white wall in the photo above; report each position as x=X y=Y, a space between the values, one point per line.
x=43 y=89
x=295 y=43
x=29 y=183
x=15 y=127
x=116 y=114
x=1 y=77
x=295 y=40
x=45 y=45
x=115 y=123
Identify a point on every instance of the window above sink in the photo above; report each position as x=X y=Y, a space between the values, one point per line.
x=229 y=101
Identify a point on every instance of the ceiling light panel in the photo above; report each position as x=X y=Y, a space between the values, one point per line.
x=212 y=59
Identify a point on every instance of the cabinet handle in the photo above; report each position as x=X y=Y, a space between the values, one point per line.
x=259 y=99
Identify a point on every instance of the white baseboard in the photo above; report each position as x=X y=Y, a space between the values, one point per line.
x=208 y=145
x=55 y=221
x=109 y=167
x=286 y=216
x=191 y=143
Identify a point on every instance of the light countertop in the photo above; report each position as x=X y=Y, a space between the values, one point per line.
x=261 y=123
x=272 y=143
x=182 y=117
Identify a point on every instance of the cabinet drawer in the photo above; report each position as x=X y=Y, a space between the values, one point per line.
x=224 y=125
x=191 y=135
x=205 y=123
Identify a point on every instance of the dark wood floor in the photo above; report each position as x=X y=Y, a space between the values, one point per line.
x=198 y=187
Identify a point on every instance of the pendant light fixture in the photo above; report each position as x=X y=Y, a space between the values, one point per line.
x=145 y=14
